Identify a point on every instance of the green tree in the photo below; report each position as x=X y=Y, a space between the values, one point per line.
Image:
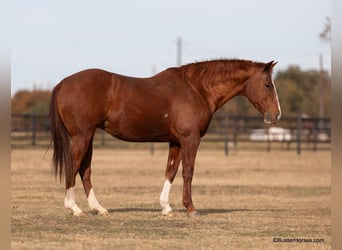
x=37 y=101
x=299 y=91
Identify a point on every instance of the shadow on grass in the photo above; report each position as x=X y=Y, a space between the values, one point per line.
x=133 y=209
x=201 y=211
x=235 y=210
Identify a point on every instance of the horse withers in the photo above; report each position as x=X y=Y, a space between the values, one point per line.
x=174 y=106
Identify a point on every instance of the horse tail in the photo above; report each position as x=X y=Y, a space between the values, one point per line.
x=62 y=160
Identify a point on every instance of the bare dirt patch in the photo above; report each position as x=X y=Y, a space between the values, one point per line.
x=246 y=200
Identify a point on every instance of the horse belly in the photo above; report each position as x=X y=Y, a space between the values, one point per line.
x=139 y=128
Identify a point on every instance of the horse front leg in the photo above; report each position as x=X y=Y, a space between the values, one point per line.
x=189 y=151
x=173 y=162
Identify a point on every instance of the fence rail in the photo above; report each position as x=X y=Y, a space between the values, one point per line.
x=226 y=132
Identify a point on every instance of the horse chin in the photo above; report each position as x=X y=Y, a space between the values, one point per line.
x=268 y=122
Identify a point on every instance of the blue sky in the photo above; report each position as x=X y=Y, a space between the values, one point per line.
x=53 y=39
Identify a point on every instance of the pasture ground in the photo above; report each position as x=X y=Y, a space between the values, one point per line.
x=247 y=200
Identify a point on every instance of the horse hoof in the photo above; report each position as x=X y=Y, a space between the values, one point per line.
x=170 y=214
x=78 y=213
x=103 y=213
x=194 y=215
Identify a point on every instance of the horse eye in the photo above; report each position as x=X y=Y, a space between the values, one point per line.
x=267 y=85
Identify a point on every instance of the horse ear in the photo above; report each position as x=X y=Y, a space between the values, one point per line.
x=269 y=66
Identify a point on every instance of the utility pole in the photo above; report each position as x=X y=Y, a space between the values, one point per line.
x=325 y=35
x=321 y=92
x=321 y=87
x=179 y=51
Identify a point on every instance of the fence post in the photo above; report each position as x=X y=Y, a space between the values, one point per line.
x=34 y=127
x=299 y=128
x=152 y=148
x=226 y=141
x=226 y=146
x=268 y=142
x=317 y=127
x=103 y=138
x=237 y=129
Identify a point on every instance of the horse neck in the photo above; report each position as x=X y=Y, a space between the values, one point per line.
x=220 y=84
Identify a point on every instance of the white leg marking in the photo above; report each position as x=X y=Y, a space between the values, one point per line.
x=164 y=198
x=94 y=204
x=69 y=201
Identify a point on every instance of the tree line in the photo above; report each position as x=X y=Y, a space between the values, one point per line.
x=299 y=94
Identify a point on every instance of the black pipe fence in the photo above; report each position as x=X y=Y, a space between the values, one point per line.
x=225 y=132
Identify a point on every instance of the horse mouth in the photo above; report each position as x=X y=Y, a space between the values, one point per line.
x=268 y=119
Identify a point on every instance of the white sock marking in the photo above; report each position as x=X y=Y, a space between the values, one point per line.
x=69 y=201
x=94 y=204
x=164 y=198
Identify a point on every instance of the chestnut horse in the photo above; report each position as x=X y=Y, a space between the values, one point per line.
x=174 y=106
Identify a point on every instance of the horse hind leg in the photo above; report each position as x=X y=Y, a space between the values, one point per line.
x=85 y=173
x=171 y=171
x=79 y=146
x=69 y=201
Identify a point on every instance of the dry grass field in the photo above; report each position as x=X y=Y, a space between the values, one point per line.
x=246 y=200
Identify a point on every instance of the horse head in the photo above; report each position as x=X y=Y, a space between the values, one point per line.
x=262 y=93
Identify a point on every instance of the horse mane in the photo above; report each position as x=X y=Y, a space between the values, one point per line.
x=223 y=68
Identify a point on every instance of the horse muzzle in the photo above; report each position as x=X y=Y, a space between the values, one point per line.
x=269 y=119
